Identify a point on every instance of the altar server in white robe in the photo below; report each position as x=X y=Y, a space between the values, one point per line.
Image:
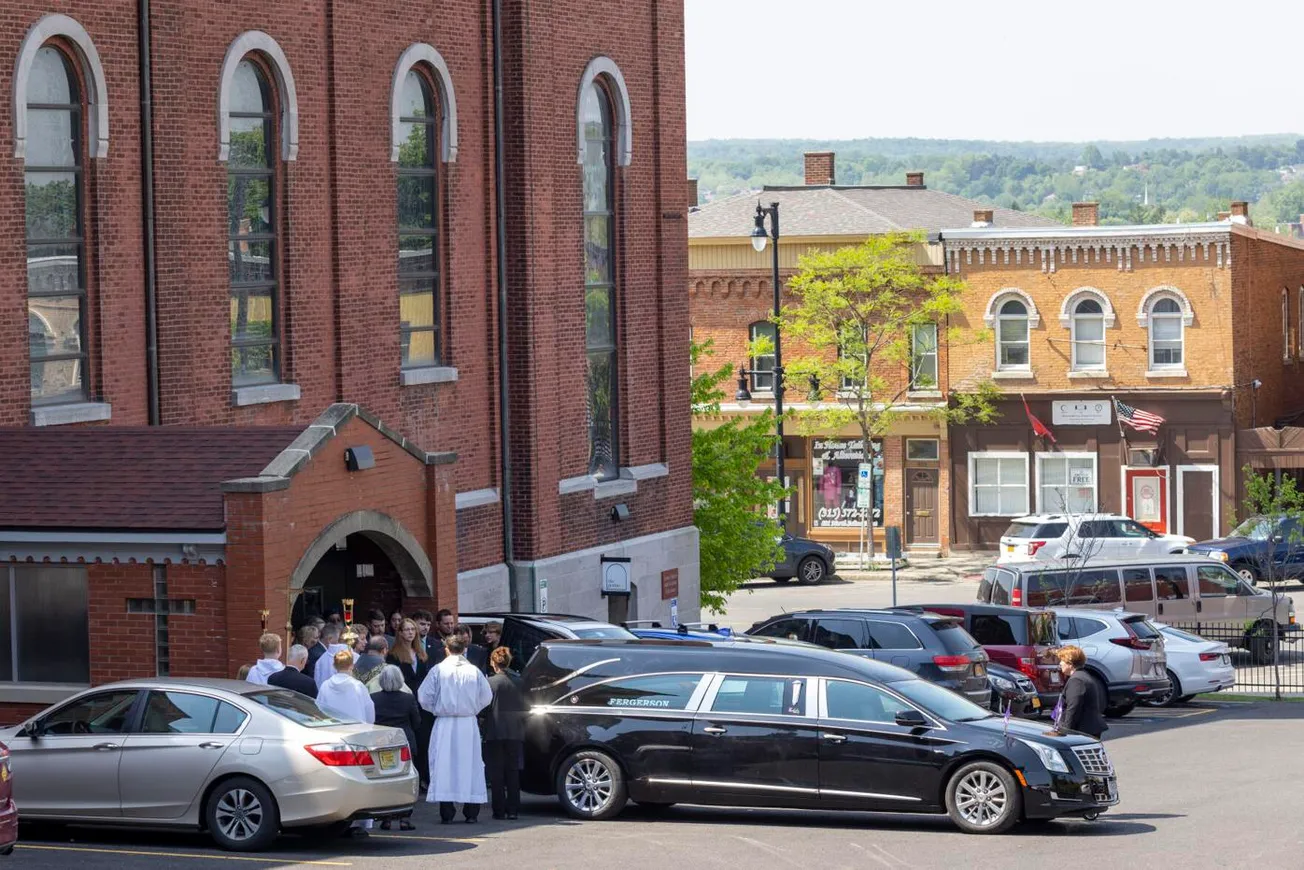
x=330 y=635
x=346 y=696
x=455 y=692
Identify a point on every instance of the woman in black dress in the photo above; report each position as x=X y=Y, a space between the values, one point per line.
x=397 y=708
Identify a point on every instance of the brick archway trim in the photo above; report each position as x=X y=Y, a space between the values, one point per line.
x=398 y=544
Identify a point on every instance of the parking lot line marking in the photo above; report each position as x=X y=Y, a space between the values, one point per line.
x=145 y=853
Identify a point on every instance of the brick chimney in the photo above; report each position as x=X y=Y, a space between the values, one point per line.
x=1224 y=215
x=1241 y=212
x=914 y=179
x=982 y=217
x=692 y=193
x=1086 y=214
x=819 y=167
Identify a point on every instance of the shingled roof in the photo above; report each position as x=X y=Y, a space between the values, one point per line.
x=128 y=478
x=831 y=210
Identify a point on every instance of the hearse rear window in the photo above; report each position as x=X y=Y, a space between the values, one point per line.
x=659 y=692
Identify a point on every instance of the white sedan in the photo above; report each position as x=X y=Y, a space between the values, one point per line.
x=1195 y=666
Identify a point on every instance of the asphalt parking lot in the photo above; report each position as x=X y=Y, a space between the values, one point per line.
x=1208 y=786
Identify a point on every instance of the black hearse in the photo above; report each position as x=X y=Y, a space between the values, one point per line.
x=788 y=725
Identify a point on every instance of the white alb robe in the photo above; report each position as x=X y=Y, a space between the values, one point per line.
x=455 y=691
x=262 y=669
x=325 y=667
x=345 y=696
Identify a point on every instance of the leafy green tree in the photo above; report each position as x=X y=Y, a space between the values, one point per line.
x=860 y=322
x=738 y=539
x=1092 y=158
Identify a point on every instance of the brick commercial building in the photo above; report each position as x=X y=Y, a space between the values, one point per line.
x=1199 y=324
x=262 y=371
x=729 y=285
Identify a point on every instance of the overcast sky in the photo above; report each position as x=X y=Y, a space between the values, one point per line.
x=1002 y=69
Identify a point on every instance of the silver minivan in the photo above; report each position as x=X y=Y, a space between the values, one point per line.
x=1182 y=589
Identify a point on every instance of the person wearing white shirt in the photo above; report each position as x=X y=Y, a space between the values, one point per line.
x=347 y=697
x=270 y=663
x=455 y=692
x=330 y=635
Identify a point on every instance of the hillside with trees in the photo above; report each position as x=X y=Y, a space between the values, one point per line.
x=1154 y=181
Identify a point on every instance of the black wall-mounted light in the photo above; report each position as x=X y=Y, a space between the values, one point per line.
x=620 y=512
x=359 y=458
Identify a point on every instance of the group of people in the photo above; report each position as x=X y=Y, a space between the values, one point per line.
x=456 y=701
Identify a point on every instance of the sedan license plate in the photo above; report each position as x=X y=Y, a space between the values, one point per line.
x=1036 y=703
x=980 y=669
x=388 y=759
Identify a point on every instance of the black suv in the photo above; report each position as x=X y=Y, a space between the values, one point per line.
x=936 y=648
x=770 y=724
x=523 y=632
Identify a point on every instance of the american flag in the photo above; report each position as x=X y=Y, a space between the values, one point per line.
x=1142 y=421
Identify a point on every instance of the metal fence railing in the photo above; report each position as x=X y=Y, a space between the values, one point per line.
x=1264 y=665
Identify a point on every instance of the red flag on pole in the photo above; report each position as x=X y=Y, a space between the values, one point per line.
x=1038 y=427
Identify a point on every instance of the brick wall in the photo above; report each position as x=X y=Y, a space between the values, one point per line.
x=1261 y=271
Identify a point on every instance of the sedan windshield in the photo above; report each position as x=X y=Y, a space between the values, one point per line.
x=1255 y=528
x=941 y=702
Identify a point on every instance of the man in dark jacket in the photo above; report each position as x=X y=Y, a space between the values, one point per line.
x=292 y=676
x=504 y=736
x=475 y=654
x=369 y=665
x=1083 y=706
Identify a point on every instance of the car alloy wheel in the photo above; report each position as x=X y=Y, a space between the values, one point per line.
x=811 y=570
x=981 y=798
x=984 y=798
x=591 y=786
x=239 y=814
x=1248 y=574
x=1169 y=698
x=242 y=815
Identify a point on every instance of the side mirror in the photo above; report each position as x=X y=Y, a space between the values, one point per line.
x=911 y=719
x=35 y=729
x=1277 y=539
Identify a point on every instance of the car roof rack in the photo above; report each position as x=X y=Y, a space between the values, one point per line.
x=641 y=623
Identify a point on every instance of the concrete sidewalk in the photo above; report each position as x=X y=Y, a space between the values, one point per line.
x=957 y=566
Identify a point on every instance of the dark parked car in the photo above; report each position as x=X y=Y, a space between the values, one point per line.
x=767 y=724
x=806 y=560
x=1012 y=691
x=523 y=632
x=935 y=647
x=1021 y=638
x=1259 y=548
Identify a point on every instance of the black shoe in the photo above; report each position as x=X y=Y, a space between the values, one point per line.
x=511 y=817
x=359 y=833
x=472 y=821
x=384 y=826
x=499 y=816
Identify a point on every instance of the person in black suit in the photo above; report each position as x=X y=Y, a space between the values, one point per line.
x=310 y=638
x=492 y=634
x=292 y=676
x=475 y=654
x=1083 y=706
x=503 y=730
x=397 y=708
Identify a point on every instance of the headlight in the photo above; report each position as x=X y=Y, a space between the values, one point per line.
x=1220 y=556
x=1001 y=683
x=1049 y=756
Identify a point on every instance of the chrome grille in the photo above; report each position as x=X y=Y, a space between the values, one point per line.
x=1094 y=759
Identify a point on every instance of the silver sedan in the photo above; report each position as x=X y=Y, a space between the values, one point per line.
x=238 y=760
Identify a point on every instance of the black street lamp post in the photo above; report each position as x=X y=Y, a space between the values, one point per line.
x=759 y=240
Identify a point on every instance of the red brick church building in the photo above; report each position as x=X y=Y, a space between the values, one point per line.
x=329 y=321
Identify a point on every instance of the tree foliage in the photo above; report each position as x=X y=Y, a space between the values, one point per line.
x=738 y=539
x=853 y=322
x=1186 y=179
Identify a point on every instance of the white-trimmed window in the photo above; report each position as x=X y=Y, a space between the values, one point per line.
x=923 y=356
x=1066 y=482
x=1088 y=333
x=1012 y=336
x=762 y=366
x=1166 y=334
x=998 y=484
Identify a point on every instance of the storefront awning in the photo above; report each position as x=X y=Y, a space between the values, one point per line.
x=1266 y=447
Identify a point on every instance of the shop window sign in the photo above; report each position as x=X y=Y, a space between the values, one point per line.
x=834 y=467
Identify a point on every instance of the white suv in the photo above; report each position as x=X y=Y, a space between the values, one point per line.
x=1047 y=537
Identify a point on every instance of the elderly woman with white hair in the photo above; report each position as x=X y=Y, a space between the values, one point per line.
x=396 y=706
